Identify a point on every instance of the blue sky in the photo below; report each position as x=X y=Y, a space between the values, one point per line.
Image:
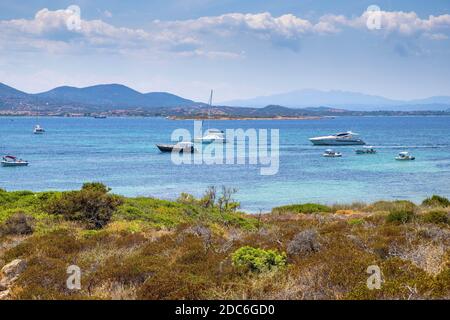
x=241 y=48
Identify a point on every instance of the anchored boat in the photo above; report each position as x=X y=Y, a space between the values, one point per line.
x=366 y=150
x=180 y=147
x=404 y=156
x=331 y=154
x=211 y=135
x=38 y=129
x=343 y=138
x=11 y=161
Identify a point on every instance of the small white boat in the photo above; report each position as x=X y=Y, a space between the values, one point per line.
x=11 y=161
x=38 y=129
x=343 y=138
x=331 y=154
x=366 y=150
x=212 y=135
x=404 y=155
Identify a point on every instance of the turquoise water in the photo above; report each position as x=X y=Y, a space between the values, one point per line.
x=121 y=153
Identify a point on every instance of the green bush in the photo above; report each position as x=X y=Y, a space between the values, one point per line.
x=436 y=201
x=400 y=216
x=258 y=260
x=302 y=208
x=436 y=216
x=355 y=222
x=391 y=206
x=91 y=205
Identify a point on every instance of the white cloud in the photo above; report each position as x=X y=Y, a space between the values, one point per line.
x=393 y=22
x=49 y=30
x=262 y=25
x=288 y=30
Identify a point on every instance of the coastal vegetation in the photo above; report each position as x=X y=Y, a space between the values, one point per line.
x=204 y=248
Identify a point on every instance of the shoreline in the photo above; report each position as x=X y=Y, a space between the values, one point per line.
x=413 y=199
x=319 y=117
x=250 y=118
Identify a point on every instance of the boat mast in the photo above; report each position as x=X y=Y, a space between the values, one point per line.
x=210 y=106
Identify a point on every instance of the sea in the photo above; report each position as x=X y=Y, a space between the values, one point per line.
x=122 y=153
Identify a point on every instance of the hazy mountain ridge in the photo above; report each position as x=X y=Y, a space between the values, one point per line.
x=343 y=99
x=115 y=97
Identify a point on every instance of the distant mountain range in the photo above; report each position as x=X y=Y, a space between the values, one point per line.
x=98 y=98
x=120 y=100
x=343 y=99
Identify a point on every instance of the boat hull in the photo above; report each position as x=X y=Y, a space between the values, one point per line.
x=332 y=155
x=208 y=141
x=336 y=142
x=174 y=148
x=14 y=164
x=405 y=159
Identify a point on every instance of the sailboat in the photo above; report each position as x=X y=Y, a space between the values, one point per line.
x=211 y=135
x=37 y=128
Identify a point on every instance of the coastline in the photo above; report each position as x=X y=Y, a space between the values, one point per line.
x=249 y=118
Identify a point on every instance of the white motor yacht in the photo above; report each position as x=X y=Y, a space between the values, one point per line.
x=343 y=138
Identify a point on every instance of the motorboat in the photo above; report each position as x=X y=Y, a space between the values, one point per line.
x=342 y=138
x=212 y=135
x=180 y=147
x=11 y=161
x=404 y=155
x=332 y=154
x=100 y=116
x=38 y=129
x=366 y=150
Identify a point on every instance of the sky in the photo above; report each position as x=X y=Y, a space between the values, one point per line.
x=397 y=49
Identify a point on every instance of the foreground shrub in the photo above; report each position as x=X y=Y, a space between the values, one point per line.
x=302 y=208
x=391 y=206
x=400 y=216
x=18 y=224
x=436 y=216
x=399 y=211
x=304 y=242
x=91 y=205
x=436 y=201
x=258 y=260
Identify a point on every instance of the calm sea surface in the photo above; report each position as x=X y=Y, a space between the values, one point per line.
x=121 y=152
